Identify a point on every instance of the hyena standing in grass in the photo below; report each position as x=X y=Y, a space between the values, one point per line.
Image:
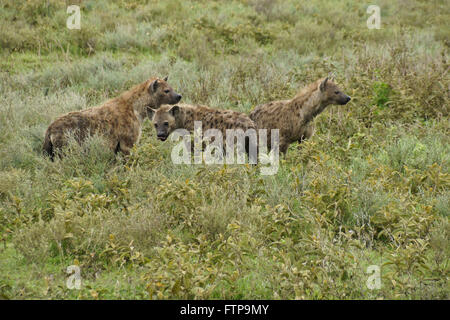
x=117 y=120
x=167 y=119
x=293 y=117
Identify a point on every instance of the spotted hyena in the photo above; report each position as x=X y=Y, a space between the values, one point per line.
x=294 y=117
x=168 y=118
x=117 y=120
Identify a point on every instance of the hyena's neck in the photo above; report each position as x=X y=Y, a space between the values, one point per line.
x=307 y=105
x=138 y=100
x=140 y=106
x=186 y=119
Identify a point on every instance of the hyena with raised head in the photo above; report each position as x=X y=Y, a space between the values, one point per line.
x=117 y=120
x=294 y=117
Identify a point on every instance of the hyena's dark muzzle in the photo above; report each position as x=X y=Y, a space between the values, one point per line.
x=162 y=134
x=344 y=99
x=176 y=98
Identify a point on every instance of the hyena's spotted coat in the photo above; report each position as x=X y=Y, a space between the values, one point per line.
x=117 y=120
x=182 y=116
x=293 y=117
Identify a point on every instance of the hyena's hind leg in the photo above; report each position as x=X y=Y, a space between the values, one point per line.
x=47 y=148
x=53 y=145
x=251 y=148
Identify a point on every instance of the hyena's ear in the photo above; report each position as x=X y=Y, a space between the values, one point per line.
x=331 y=76
x=167 y=77
x=150 y=113
x=153 y=86
x=323 y=84
x=174 y=111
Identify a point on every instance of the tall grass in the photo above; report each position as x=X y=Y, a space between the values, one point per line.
x=370 y=187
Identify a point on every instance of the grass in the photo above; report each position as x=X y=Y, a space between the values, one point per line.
x=370 y=188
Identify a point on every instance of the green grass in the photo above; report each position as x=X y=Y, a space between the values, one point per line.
x=370 y=188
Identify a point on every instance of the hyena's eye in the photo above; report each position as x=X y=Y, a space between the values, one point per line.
x=336 y=92
x=166 y=123
x=156 y=125
x=166 y=91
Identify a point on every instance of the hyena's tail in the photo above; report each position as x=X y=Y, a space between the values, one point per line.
x=48 y=146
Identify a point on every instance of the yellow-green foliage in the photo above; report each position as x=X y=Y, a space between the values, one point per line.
x=370 y=188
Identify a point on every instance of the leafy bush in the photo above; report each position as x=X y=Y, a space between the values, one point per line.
x=381 y=93
x=371 y=187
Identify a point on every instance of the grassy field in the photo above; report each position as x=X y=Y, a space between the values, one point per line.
x=372 y=186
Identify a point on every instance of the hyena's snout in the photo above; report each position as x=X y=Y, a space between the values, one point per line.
x=176 y=97
x=162 y=135
x=162 y=138
x=344 y=99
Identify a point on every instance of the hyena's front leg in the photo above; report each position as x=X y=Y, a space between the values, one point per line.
x=307 y=133
x=283 y=146
x=125 y=145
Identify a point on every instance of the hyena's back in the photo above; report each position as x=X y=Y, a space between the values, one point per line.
x=269 y=115
x=77 y=123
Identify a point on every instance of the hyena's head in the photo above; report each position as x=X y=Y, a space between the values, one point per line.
x=161 y=93
x=331 y=93
x=164 y=120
